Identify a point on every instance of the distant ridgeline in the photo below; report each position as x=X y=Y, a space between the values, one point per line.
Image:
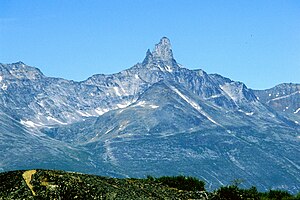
x=149 y=117
x=49 y=184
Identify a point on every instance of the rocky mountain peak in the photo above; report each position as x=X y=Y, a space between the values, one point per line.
x=163 y=50
x=148 y=58
x=20 y=70
x=19 y=63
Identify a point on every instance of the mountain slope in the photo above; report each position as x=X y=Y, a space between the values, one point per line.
x=167 y=126
x=24 y=148
x=284 y=99
x=21 y=148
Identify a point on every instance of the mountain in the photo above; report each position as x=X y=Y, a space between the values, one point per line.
x=155 y=118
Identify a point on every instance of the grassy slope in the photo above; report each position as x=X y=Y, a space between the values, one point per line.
x=50 y=184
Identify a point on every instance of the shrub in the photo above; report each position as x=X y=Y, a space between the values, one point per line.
x=227 y=192
x=182 y=182
x=277 y=195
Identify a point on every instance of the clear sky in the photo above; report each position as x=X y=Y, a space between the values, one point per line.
x=254 y=41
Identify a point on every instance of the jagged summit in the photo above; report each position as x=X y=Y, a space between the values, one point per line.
x=19 y=63
x=148 y=58
x=20 y=70
x=162 y=53
x=163 y=50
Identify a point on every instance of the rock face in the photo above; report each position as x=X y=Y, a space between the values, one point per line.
x=284 y=98
x=163 y=51
x=154 y=115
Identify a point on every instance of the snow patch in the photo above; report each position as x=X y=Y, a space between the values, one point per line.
x=4 y=87
x=123 y=90
x=100 y=111
x=55 y=120
x=1 y=78
x=161 y=69
x=153 y=106
x=136 y=76
x=270 y=95
x=30 y=123
x=116 y=89
x=122 y=127
x=283 y=97
x=84 y=114
x=109 y=130
x=144 y=104
x=297 y=111
x=123 y=105
x=213 y=96
x=165 y=68
x=296 y=122
x=272 y=115
x=246 y=113
x=168 y=68
x=141 y=103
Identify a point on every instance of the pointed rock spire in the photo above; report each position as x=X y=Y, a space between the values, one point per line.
x=162 y=53
x=162 y=50
x=148 y=58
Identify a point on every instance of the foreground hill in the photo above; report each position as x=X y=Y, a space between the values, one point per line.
x=51 y=184
x=46 y=184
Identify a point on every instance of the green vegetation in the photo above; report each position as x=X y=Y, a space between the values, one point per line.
x=234 y=192
x=180 y=182
x=50 y=184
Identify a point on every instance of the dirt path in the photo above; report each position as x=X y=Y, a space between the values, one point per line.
x=27 y=177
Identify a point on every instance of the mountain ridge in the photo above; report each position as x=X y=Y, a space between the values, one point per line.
x=151 y=116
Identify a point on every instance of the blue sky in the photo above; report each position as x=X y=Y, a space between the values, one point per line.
x=256 y=42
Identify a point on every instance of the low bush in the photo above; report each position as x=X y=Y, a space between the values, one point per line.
x=180 y=182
